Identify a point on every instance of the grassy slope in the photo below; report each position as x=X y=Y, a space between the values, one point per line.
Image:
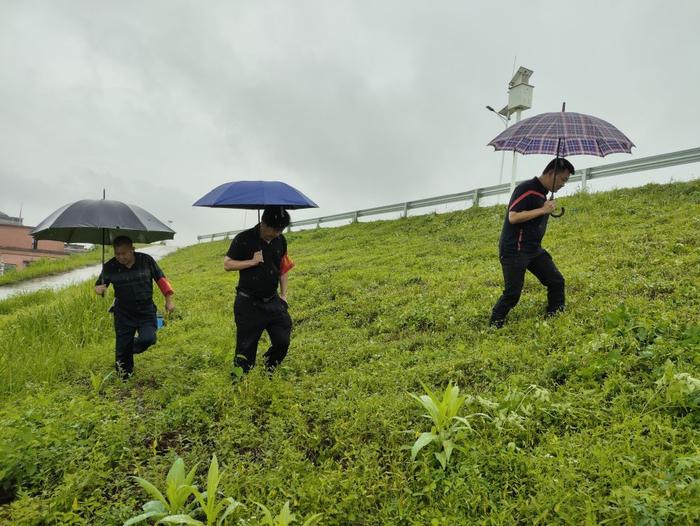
x=49 y=267
x=378 y=309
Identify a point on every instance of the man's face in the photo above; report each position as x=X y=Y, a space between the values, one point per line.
x=124 y=254
x=561 y=179
x=267 y=233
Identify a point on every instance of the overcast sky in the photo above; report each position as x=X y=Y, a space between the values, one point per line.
x=357 y=104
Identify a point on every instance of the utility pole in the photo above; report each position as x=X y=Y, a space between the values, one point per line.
x=519 y=99
x=503 y=153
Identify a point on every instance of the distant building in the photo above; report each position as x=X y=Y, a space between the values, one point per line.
x=7 y=220
x=18 y=249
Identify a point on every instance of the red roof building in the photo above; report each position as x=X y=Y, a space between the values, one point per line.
x=18 y=249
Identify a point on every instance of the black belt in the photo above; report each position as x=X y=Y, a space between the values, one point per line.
x=255 y=298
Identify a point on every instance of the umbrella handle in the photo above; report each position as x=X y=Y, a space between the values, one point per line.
x=559 y=214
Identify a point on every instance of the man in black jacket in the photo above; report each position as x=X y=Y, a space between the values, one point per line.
x=260 y=256
x=520 y=246
x=132 y=274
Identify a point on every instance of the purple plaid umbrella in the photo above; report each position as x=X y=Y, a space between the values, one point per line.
x=563 y=134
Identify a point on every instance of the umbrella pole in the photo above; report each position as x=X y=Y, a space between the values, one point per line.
x=554 y=177
x=103 y=260
x=104 y=196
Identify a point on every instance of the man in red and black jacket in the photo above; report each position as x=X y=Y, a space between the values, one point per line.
x=132 y=274
x=260 y=256
x=520 y=246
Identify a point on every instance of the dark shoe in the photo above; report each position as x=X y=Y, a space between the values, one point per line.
x=554 y=312
x=237 y=374
x=124 y=375
x=498 y=324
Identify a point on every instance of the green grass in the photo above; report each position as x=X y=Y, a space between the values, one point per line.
x=49 y=267
x=591 y=418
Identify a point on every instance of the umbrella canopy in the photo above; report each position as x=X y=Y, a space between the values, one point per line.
x=100 y=221
x=254 y=195
x=563 y=134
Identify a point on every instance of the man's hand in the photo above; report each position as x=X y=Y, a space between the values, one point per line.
x=549 y=206
x=100 y=290
x=169 y=303
x=243 y=264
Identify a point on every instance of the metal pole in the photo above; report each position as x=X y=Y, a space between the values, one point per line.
x=515 y=157
x=503 y=153
x=505 y=121
x=503 y=160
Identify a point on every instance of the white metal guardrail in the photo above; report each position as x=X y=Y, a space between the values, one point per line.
x=473 y=196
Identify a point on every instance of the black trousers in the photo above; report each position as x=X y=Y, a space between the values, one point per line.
x=254 y=316
x=127 y=322
x=544 y=269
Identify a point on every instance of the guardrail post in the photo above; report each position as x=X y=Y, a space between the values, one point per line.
x=355 y=217
x=584 y=177
x=475 y=198
x=405 y=210
x=318 y=223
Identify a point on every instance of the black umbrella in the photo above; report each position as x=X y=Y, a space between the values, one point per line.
x=100 y=221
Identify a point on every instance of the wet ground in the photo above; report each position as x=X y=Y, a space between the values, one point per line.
x=59 y=281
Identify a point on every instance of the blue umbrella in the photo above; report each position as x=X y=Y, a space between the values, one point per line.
x=254 y=195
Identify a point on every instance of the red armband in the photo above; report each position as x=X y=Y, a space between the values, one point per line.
x=164 y=286
x=286 y=265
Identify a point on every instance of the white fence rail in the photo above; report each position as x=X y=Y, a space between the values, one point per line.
x=473 y=196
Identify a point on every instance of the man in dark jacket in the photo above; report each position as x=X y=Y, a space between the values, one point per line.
x=520 y=246
x=260 y=256
x=132 y=274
